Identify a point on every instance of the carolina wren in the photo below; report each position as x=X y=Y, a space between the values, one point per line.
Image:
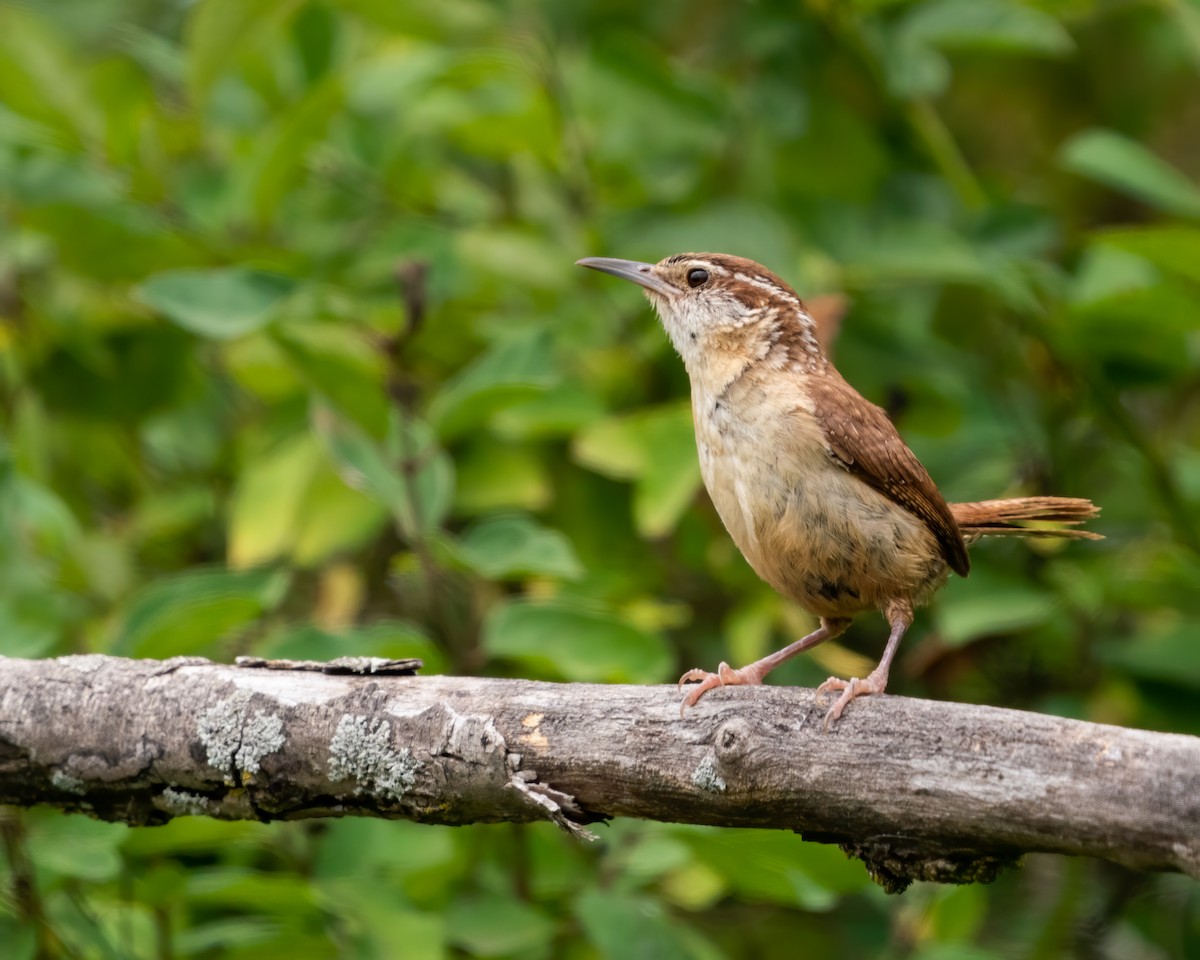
x=811 y=480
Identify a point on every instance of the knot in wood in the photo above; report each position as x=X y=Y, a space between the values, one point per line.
x=733 y=740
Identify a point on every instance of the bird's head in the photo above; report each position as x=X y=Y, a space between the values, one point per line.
x=722 y=312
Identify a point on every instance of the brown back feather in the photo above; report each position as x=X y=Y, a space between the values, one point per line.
x=863 y=440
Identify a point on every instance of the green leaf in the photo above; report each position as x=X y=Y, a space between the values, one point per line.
x=955 y=951
x=334 y=519
x=513 y=370
x=74 y=846
x=1125 y=165
x=194 y=611
x=220 y=936
x=908 y=252
x=559 y=412
x=497 y=926
x=915 y=67
x=19 y=938
x=1139 y=336
x=1174 y=248
x=494 y=476
x=1106 y=272
x=517 y=546
x=281 y=151
x=248 y=888
x=267 y=499
x=777 y=867
x=353 y=387
x=218 y=32
x=350 y=848
x=192 y=835
x=419 y=495
x=40 y=77
x=623 y=926
x=575 y=644
x=290 y=502
x=965 y=615
x=1166 y=655
x=1002 y=26
x=957 y=914
x=221 y=304
x=657 y=449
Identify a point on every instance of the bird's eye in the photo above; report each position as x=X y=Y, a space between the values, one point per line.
x=697 y=277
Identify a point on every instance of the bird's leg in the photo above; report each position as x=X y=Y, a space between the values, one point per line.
x=753 y=673
x=900 y=616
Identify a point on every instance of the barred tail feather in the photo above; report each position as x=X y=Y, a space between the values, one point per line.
x=1026 y=517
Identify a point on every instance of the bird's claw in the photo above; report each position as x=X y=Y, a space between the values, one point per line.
x=705 y=681
x=850 y=689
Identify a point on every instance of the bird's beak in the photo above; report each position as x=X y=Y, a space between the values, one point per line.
x=640 y=273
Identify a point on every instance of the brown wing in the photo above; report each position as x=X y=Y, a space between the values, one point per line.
x=863 y=440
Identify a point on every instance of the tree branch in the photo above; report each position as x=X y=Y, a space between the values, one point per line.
x=917 y=789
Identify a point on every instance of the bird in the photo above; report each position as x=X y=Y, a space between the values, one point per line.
x=811 y=480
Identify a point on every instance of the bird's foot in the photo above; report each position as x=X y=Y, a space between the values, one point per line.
x=851 y=689
x=705 y=681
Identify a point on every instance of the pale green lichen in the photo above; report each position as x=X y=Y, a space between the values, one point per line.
x=182 y=803
x=363 y=753
x=234 y=739
x=63 y=781
x=705 y=775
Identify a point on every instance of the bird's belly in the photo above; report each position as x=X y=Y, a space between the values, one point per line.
x=812 y=530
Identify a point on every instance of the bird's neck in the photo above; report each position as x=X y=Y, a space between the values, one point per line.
x=725 y=354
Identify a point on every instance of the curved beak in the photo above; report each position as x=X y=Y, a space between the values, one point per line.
x=640 y=273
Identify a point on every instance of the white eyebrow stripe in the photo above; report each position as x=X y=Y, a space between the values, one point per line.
x=764 y=284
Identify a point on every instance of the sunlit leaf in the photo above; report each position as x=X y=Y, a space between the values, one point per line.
x=270 y=892
x=1106 y=271
x=267 y=500
x=778 y=868
x=1173 y=247
x=655 y=448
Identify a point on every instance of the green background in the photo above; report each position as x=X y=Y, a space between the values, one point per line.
x=221 y=434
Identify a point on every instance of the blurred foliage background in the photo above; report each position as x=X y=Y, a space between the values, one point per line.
x=294 y=360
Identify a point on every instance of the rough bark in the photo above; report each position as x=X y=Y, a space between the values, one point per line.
x=917 y=789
